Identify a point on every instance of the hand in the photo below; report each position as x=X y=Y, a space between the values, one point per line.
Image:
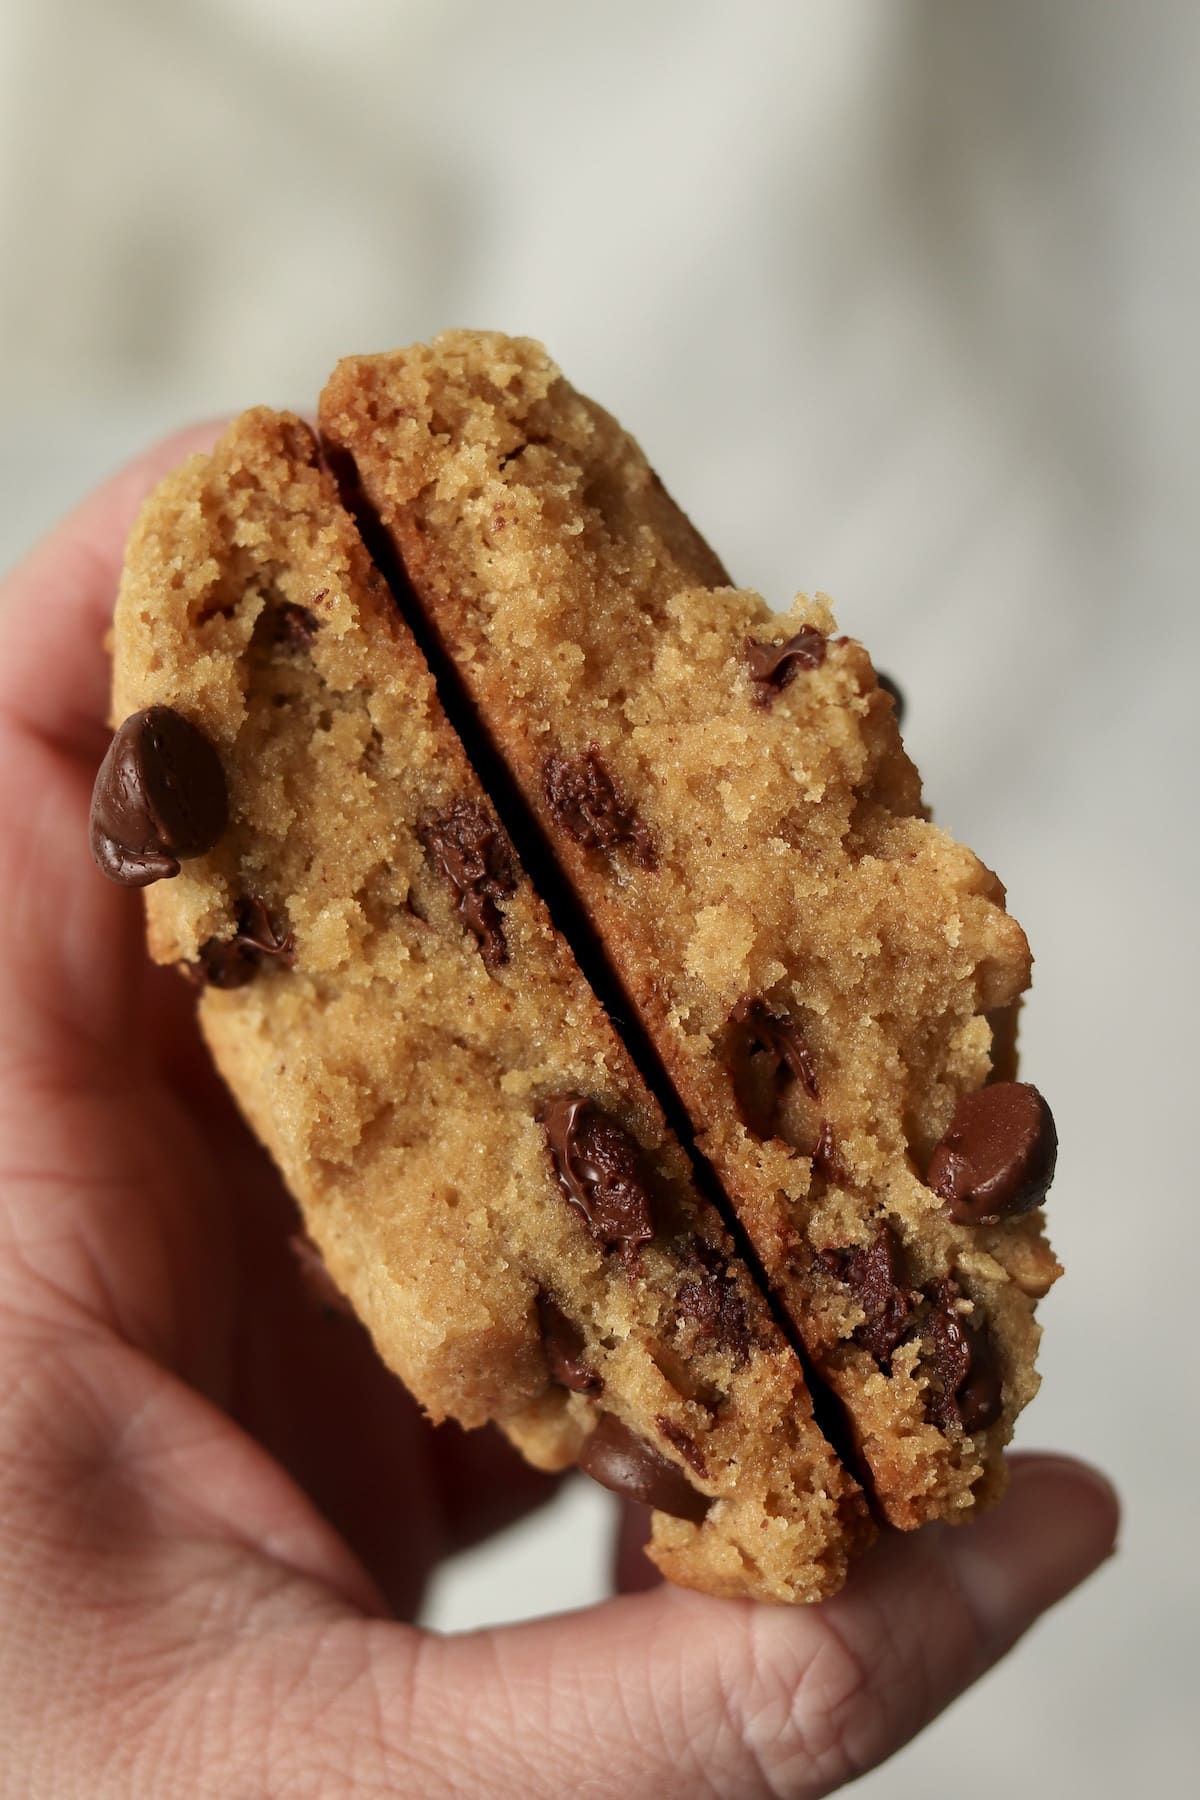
x=216 y=1508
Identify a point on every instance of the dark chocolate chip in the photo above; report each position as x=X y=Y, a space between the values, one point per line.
x=968 y=1390
x=584 y=799
x=754 y=1031
x=600 y=1170
x=618 y=1459
x=772 y=666
x=874 y=1273
x=563 y=1344
x=319 y=1284
x=997 y=1159
x=159 y=798
x=472 y=851
x=232 y=962
x=714 y=1304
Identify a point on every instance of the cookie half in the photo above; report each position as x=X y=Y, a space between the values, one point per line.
x=826 y=980
x=479 y=1162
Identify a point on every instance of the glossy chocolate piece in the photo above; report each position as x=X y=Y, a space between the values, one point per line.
x=159 y=798
x=600 y=1170
x=618 y=1459
x=997 y=1159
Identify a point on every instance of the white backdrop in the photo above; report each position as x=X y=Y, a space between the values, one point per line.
x=901 y=296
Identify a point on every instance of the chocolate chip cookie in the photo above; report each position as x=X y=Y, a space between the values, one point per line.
x=821 y=984
x=478 y=1160
x=640 y=1054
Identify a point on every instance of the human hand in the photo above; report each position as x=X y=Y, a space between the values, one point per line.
x=217 y=1508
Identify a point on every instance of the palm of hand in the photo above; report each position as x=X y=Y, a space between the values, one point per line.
x=216 y=1506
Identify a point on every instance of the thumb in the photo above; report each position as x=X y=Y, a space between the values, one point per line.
x=668 y=1693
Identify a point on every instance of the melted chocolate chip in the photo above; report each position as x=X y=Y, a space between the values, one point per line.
x=874 y=1273
x=714 y=1304
x=755 y=1031
x=890 y=687
x=232 y=962
x=773 y=666
x=618 y=1459
x=583 y=797
x=998 y=1157
x=563 y=1344
x=600 y=1170
x=473 y=853
x=969 y=1391
x=159 y=798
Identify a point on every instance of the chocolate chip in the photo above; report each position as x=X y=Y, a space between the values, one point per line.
x=475 y=856
x=890 y=687
x=757 y=1032
x=968 y=1390
x=714 y=1304
x=618 y=1459
x=998 y=1157
x=563 y=1344
x=584 y=799
x=232 y=962
x=159 y=798
x=772 y=666
x=874 y=1273
x=600 y=1170
x=296 y=625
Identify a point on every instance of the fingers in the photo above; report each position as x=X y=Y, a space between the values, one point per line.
x=672 y=1694
x=68 y=941
x=56 y=605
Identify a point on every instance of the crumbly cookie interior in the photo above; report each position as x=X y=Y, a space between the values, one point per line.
x=791 y=868
x=398 y=1074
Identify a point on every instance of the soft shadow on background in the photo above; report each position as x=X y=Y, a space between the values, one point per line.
x=901 y=296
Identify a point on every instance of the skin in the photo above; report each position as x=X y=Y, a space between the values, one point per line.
x=218 y=1512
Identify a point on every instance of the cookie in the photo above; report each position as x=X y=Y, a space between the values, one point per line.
x=478 y=1161
x=824 y=983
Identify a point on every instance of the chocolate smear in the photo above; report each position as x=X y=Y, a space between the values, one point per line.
x=159 y=798
x=584 y=799
x=472 y=851
x=295 y=625
x=998 y=1157
x=755 y=1031
x=563 y=1343
x=600 y=1170
x=618 y=1459
x=773 y=666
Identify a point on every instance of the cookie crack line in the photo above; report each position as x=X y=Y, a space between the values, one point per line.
x=537 y=855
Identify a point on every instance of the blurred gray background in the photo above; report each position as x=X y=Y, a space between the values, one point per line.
x=902 y=298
